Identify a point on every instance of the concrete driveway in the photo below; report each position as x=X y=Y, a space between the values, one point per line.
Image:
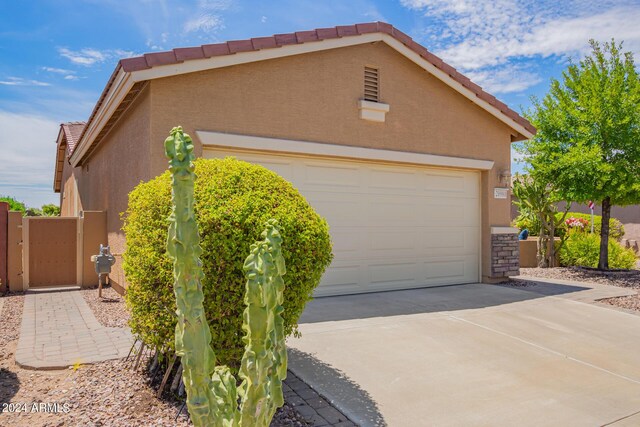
x=474 y=355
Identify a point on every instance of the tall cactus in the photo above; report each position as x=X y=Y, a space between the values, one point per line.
x=212 y=392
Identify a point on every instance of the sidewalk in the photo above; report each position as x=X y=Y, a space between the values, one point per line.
x=59 y=330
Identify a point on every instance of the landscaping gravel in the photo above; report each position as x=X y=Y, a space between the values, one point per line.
x=110 y=310
x=629 y=280
x=624 y=280
x=630 y=302
x=103 y=394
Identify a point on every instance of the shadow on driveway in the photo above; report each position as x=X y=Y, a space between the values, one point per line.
x=426 y=300
x=346 y=395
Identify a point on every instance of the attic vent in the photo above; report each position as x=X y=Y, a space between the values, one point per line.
x=371 y=84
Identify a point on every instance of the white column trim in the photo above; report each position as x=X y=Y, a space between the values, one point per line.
x=504 y=230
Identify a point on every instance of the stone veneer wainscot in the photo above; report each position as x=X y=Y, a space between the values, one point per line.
x=505 y=252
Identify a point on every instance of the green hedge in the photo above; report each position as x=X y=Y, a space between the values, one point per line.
x=616 y=229
x=233 y=201
x=583 y=249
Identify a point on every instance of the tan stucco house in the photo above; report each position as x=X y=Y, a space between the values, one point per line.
x=406 y=158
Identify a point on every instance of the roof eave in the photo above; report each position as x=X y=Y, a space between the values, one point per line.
x=187 y=60
x=60 y=158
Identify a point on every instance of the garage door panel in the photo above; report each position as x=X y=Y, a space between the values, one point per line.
x=342 y=277
x=332 y=178
x=450 y=212
x=348 y=242
x=448 y=241
x=391 y=243
x=283 y=166
x=393 y=275
x=448 y=270
x=340 y=210
x=445 y=183
x=392 y=226
x=391 y=181
x=387 y=211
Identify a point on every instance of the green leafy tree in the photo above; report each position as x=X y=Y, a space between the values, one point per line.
x=14 y=205
x=588 y=139
x=33 y=212
x=51 y=210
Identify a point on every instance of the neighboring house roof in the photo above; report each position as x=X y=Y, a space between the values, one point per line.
x=72 y=132
x=130 y=75
x=67 y=141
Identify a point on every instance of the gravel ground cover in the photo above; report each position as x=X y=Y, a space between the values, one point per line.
x=623 y=280
x=103 y=394
x=110 y=310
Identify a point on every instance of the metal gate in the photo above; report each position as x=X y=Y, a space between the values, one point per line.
x=50 y=246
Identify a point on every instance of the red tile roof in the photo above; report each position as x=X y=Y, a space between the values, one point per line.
x=72 y=132
x=179 y=55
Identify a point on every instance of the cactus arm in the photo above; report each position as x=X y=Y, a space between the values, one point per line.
x=264 y=363
x=193 y=336
x=212 y=394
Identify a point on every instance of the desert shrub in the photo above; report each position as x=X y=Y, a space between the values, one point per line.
x=583 y=249
x=616 y=229
x=233 y=199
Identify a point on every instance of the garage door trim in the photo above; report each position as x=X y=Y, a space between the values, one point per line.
x=262 y=144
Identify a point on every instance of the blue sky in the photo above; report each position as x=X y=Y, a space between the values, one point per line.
x=56 y=56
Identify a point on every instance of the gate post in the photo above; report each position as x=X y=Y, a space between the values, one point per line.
x=14 y=248
x=4 y=236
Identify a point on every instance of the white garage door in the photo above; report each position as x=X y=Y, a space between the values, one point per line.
x=393 y=226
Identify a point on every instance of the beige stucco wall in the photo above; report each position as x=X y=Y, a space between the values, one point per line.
x=70 y=202
x=94 y=233
x=313 y=97
x=120 y=162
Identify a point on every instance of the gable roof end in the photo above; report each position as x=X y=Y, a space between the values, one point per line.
x=67 y=141
x=134 y=70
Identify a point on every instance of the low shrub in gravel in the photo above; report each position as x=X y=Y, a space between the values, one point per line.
x=616 y=229
x=583 y=249
x=233 y=199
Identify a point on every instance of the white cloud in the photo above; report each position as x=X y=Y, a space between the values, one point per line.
x=480 y=36
x=505 y=79
x=84 y=57
x=89 y=56
x=58 y=70
x=67 y=74
x=208 y=16
x=19 y=81
x=263 y=19
x=206 y=22
x=30 y=159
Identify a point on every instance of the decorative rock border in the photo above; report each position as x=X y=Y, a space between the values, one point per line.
x=610 y=272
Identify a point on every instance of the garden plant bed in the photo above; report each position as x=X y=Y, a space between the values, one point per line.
x=103 y=394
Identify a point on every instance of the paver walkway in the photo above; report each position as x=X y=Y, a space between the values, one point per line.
x=60 y=330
